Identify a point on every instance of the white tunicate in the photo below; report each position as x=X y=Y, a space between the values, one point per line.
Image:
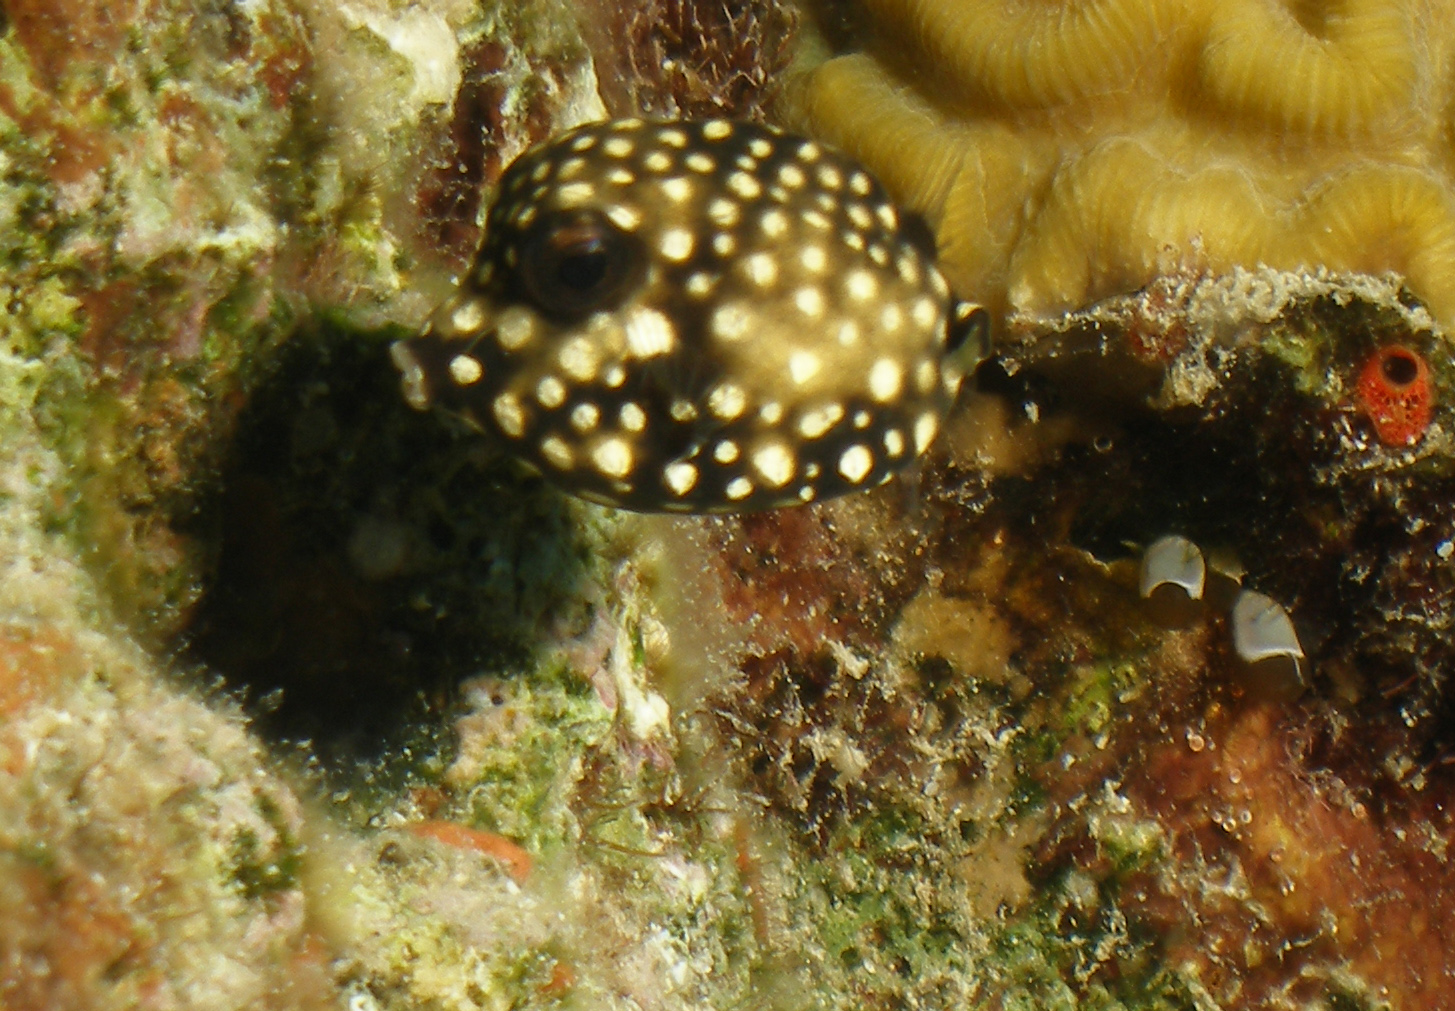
x=1262 y=630
x=1173 y=561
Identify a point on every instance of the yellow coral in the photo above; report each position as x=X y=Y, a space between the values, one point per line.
x=1337 y=71
x=1064 y=152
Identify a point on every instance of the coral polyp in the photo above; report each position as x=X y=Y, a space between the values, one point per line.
x=1396 y=393
x=1072 y=151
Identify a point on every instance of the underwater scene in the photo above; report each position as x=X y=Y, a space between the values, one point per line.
x=749 y=505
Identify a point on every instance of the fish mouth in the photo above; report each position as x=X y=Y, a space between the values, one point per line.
x=434 y=370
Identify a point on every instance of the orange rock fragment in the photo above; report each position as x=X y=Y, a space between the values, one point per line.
x=517 y=861
x=563 y=978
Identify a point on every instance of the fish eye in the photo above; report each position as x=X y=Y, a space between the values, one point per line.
x=578 y=263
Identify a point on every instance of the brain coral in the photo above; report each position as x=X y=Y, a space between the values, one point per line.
x=1068 y=151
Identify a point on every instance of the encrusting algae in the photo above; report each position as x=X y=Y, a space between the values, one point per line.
x=1068 y=152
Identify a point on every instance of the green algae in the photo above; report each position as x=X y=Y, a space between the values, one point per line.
x=522 y=787
x=112 y=291
x=880 y=926
x=1128 y=844
x=259 y=869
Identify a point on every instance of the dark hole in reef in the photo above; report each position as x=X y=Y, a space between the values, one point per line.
x=369 y=557
x=1399 y=367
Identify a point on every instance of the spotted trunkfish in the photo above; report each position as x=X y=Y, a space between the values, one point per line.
x=699 y=317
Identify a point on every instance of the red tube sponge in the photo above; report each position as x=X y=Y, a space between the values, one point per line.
x=1396 y=394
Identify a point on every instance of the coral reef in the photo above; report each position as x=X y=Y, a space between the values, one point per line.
x=1340 y=503
x=175 y=200
x=149 y=855
x=309 y=701
x=1096 y=807
x=137 y=232
x=186 y=191
x=696 y=60
x=1070 y=152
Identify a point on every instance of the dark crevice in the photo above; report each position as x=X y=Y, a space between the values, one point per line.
x=369 y=558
